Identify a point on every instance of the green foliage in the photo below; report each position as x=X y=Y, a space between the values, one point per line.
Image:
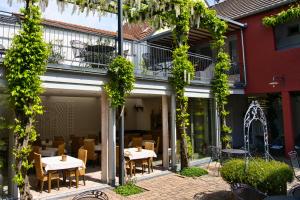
x=284 y=16
x=128 y=189
x=25 y=62
x=269 y=177
x=193 y=172
x=121 y=73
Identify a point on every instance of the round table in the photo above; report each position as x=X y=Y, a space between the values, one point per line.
x=281 y=197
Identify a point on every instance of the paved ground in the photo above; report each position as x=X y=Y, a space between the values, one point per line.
x=173 y=186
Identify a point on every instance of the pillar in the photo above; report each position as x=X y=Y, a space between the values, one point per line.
x=165 y=132
x=173 y=132
x=104 y=138
x=112 y=147
x=287 y=122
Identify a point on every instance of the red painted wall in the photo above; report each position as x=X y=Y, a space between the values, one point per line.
x=263 y=61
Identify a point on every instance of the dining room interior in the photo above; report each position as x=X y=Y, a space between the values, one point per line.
x=71 y=124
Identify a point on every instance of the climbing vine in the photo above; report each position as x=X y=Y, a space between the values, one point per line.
x=180 y=16
x=121 y=73
x=25 y=62
x=284 y=16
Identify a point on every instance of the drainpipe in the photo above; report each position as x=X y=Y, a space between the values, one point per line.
x=244 y=59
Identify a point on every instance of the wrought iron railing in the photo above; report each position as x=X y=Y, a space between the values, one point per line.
x=89 y=51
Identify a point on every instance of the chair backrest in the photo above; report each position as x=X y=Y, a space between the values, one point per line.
x=91 y=195
x=246 y=192
x=38 y=165
x=56 y=143
x=77 y=142
x=78 y=48
x=89 y=145
x=61 y=149
x=92 y=136
x=137 y=141
x=34 y=149
x=149 y=145
x=82 y=155
x=215 y=153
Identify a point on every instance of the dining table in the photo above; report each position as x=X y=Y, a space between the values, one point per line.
x=134 y=154
x=55 y=163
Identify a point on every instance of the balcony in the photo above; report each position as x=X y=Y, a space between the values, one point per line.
x=91 y=52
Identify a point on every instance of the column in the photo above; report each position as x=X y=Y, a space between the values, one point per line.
x=112 y=147
x=173 y=132
x=217 y=124
x=165 y=132
x=104 y=138
x=287 y=121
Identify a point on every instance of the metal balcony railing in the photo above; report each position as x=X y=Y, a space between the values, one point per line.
x=92 y=52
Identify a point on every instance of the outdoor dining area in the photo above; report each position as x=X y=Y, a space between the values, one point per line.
x=66 y=162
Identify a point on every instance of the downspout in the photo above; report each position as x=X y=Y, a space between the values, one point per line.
x=244 y=58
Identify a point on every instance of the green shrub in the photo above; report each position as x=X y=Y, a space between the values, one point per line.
x=193 y=172
x=128 y=189
x=269 y=177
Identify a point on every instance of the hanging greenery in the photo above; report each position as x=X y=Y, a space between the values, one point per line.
x=284 y=16
x=121 y=74
x=25 y=62
x=180 y=16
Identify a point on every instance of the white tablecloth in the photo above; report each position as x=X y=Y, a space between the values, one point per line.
x=55 y=163
x=98 y=147
x=134 y=154
x=48 y=152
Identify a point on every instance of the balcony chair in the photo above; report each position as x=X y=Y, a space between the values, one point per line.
x=245 y=192
x=42 y=176
x=79 y=49
x=129 y=164
x=148 y=146
x=295 y=164
x=82 y=155
x=91 y=195
x=89 y=145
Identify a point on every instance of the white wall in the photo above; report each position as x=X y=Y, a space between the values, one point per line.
x=69 y=115
x=141 y=120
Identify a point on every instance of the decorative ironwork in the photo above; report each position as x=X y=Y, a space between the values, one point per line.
x=255 y=113
x=93 y=194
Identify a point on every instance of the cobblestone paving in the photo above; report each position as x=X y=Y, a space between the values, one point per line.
x=173 y=187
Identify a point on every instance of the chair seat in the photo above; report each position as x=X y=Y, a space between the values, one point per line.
x=71 y=172
x=54 y=175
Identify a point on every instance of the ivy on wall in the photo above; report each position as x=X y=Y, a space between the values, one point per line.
x=284 y=16
x=121 y=74
x=25 y=62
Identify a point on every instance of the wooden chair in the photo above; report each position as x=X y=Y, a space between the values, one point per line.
x=89 y=145
x=56 y=143
x=147 y=137
x=128 y=163
x=95 y=137
x=41 y=176
x=82 y=155
x=156 y=148
x=76 y=144
x=145 y=164
x=61 y=149
x=34 y=149
x=137 y=142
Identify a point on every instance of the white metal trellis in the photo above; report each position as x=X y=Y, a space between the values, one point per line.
x=255 y=113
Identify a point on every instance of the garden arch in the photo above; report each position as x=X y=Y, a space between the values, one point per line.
x=255 y=113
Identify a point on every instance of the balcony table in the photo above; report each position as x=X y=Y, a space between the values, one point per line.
x=55 y=164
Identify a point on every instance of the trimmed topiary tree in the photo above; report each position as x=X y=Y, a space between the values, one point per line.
x=269 y=177
x=25 y=62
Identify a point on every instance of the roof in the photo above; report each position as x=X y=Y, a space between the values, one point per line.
x=139 y=31
x=236 y=9
x=80 y=28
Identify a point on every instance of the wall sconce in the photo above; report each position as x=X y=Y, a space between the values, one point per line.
x=276 y=80
x=139 y=105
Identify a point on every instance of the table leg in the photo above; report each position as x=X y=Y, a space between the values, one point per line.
x=148 y=165
x=77 y=177
x=49 y=181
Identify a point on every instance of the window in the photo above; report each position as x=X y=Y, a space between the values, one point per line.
x=288 y=35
